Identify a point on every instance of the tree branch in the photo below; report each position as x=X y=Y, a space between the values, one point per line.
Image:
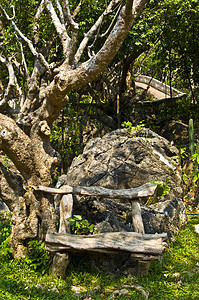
x=128 y=6
x=60 y=12
x=35 y=24
x=72 y=24
x=115 y=38
x=11 y=83
x=116 y=15
x=11 y=184
x=138 y=6
x=27 y=76
x=17 y=145
x=77 y=9
x=93 y=29
x=60 y=28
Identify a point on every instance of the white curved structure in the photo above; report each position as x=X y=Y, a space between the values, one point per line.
x=157 y=88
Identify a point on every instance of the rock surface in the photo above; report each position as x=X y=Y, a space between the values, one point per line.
x=123 y=159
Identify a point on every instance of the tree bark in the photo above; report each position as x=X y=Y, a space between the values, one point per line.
x=32 y=213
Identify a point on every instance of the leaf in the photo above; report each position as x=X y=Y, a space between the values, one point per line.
x=184 y=177
x=78 y=217
x=70 y=219
x=77 y=224
x=168 y=181
x=196 y=177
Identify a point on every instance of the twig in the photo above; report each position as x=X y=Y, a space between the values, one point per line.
x=77 y=9
x=116 y=15
x=60 y=28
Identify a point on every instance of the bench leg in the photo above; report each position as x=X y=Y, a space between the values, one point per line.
x=60 y=263
x=142 y=267
x=61 y=260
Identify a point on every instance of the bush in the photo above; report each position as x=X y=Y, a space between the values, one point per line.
x=80 y=226
x=38 y=258
x=5 y=232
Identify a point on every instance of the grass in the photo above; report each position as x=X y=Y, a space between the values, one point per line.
x=175 y=277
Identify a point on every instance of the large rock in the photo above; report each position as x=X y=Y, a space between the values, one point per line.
x=123 y=159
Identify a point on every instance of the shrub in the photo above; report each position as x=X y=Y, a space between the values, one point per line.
x=5 y=232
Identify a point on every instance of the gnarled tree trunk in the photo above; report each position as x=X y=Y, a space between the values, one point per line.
x=33 y=213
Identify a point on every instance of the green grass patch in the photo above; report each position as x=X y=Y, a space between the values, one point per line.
x=176 y=276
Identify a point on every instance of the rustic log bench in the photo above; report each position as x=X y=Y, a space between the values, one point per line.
x=143 y=247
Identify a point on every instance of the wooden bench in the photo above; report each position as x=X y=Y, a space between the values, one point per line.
x=143 y=247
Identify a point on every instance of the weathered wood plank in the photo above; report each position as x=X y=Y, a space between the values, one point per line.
x=66 y=208
x=137 y=217
x=145 y=190
x=149 y=244
x=145 y=257
x=61 y=260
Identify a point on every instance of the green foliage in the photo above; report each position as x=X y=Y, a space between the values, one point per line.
x=194 y=150
x=5 y=225
x=171 y=30
x=5 y=161
x=37 y=258
x=183 y=153
x=195 y=159
x=191 y=137
x=5 y=232
x=5 y=249
x=18 y=281
x=67 y=135
x=191 y=180
x=162 y=190
x=128 y=125
x=80 y=226
x=140 y=125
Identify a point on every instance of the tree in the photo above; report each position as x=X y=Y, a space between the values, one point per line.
x=174 y=56
x=42 y=60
